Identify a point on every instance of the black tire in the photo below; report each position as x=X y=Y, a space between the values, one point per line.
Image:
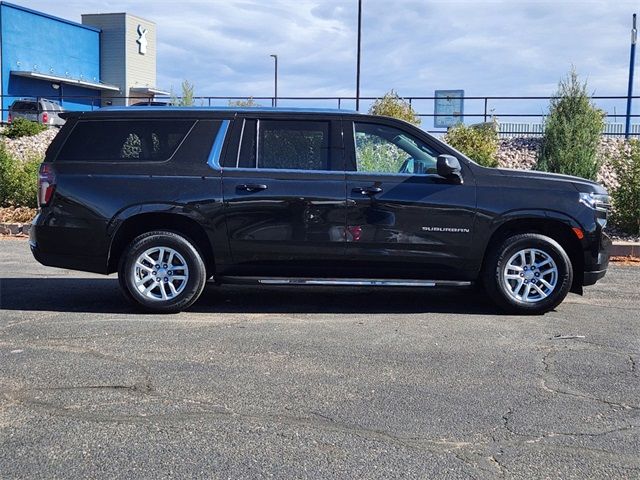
x=499 y=289
x=188 y=293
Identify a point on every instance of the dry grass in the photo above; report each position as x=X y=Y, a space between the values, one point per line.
x=626 y=260
x=17 y=214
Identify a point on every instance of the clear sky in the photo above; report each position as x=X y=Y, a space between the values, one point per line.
x=498 y=47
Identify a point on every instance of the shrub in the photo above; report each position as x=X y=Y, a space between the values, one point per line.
x=18 y=180
x=21 y=127
x=381 y=157
x=626 y=196
x=572 y=131
x=249 y=102
x=392 y=105
x=478 y=142
x=186 y=99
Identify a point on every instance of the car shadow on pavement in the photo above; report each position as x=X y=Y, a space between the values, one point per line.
x=102 y=295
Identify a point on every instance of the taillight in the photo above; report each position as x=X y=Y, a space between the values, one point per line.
x=9 y=119
x=45 y=117
x=46 y=184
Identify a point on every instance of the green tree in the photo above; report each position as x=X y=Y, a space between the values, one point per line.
x=392 y=105
x=478 y=142
x=572 y=131
x=626 y=196
x=186 y=99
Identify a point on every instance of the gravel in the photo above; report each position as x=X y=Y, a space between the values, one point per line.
x=29 y=147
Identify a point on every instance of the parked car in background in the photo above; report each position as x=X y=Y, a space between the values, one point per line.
x=44 y=111
x=171 y=197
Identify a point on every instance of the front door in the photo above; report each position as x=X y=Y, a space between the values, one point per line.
x=405 y=220
x=284 y=197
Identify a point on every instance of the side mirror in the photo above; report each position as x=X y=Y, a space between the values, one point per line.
x=449 y=167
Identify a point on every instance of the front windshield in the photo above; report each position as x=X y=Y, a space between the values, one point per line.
x=383 y=149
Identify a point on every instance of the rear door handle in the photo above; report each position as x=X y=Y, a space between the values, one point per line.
x=367 y=190
x=251 y=187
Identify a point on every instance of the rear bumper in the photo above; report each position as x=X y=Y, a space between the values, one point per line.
x=63 y=248
x=69 y=262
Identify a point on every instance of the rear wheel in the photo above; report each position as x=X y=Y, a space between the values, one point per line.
x=528 y=273
x=162 y=272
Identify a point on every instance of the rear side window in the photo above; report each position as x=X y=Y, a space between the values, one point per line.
x=124 y=140
x=294 y=145
x=24 y=107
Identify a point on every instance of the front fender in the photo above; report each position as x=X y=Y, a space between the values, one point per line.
x=539 y=214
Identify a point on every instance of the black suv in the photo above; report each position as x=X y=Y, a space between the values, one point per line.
x=171 y=197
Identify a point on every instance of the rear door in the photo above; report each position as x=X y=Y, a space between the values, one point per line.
x=284 y=196
x=404 y=220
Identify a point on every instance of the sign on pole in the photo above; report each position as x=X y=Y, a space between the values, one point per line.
x=449 y=108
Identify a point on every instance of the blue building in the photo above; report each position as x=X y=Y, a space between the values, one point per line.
x=46 y=56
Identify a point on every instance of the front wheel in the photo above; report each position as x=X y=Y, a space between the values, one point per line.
x=528 y=274
x=162 y=272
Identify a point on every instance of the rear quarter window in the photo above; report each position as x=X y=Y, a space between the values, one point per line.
x=24 y=107
x=124 y=140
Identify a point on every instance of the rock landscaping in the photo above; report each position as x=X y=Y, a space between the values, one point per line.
x=29 y=147
x=521 y=153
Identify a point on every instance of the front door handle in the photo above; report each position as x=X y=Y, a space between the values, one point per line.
x=373 y=190
x=251 y=187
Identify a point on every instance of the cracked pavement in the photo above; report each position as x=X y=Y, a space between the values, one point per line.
x=313 y=383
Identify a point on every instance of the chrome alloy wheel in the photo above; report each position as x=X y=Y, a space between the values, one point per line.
x=160 y=273
x=530 y=275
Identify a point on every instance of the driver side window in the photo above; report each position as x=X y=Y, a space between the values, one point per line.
x=383 y=149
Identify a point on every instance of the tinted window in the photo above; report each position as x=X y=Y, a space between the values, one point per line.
x=24 y=107
x=295 y=145
x=124 y=140
x=382 y=149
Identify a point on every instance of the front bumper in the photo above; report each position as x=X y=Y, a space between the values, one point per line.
x=590 y=278
x=597 y=259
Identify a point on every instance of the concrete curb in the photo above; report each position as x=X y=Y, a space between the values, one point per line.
x=15 y=228
x=625 y=249
x=619 y=249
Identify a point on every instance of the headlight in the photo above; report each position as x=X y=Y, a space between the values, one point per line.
x=597 y=201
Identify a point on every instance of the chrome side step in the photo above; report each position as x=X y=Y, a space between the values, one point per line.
x=353 y=282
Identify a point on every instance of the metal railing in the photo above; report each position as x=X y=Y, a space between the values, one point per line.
x=515 y=114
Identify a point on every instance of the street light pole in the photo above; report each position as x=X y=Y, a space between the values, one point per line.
x=358 y=60
x=275 y=81
x=632 y=64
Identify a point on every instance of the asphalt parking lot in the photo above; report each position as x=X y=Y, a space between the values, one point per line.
x=313 y=383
